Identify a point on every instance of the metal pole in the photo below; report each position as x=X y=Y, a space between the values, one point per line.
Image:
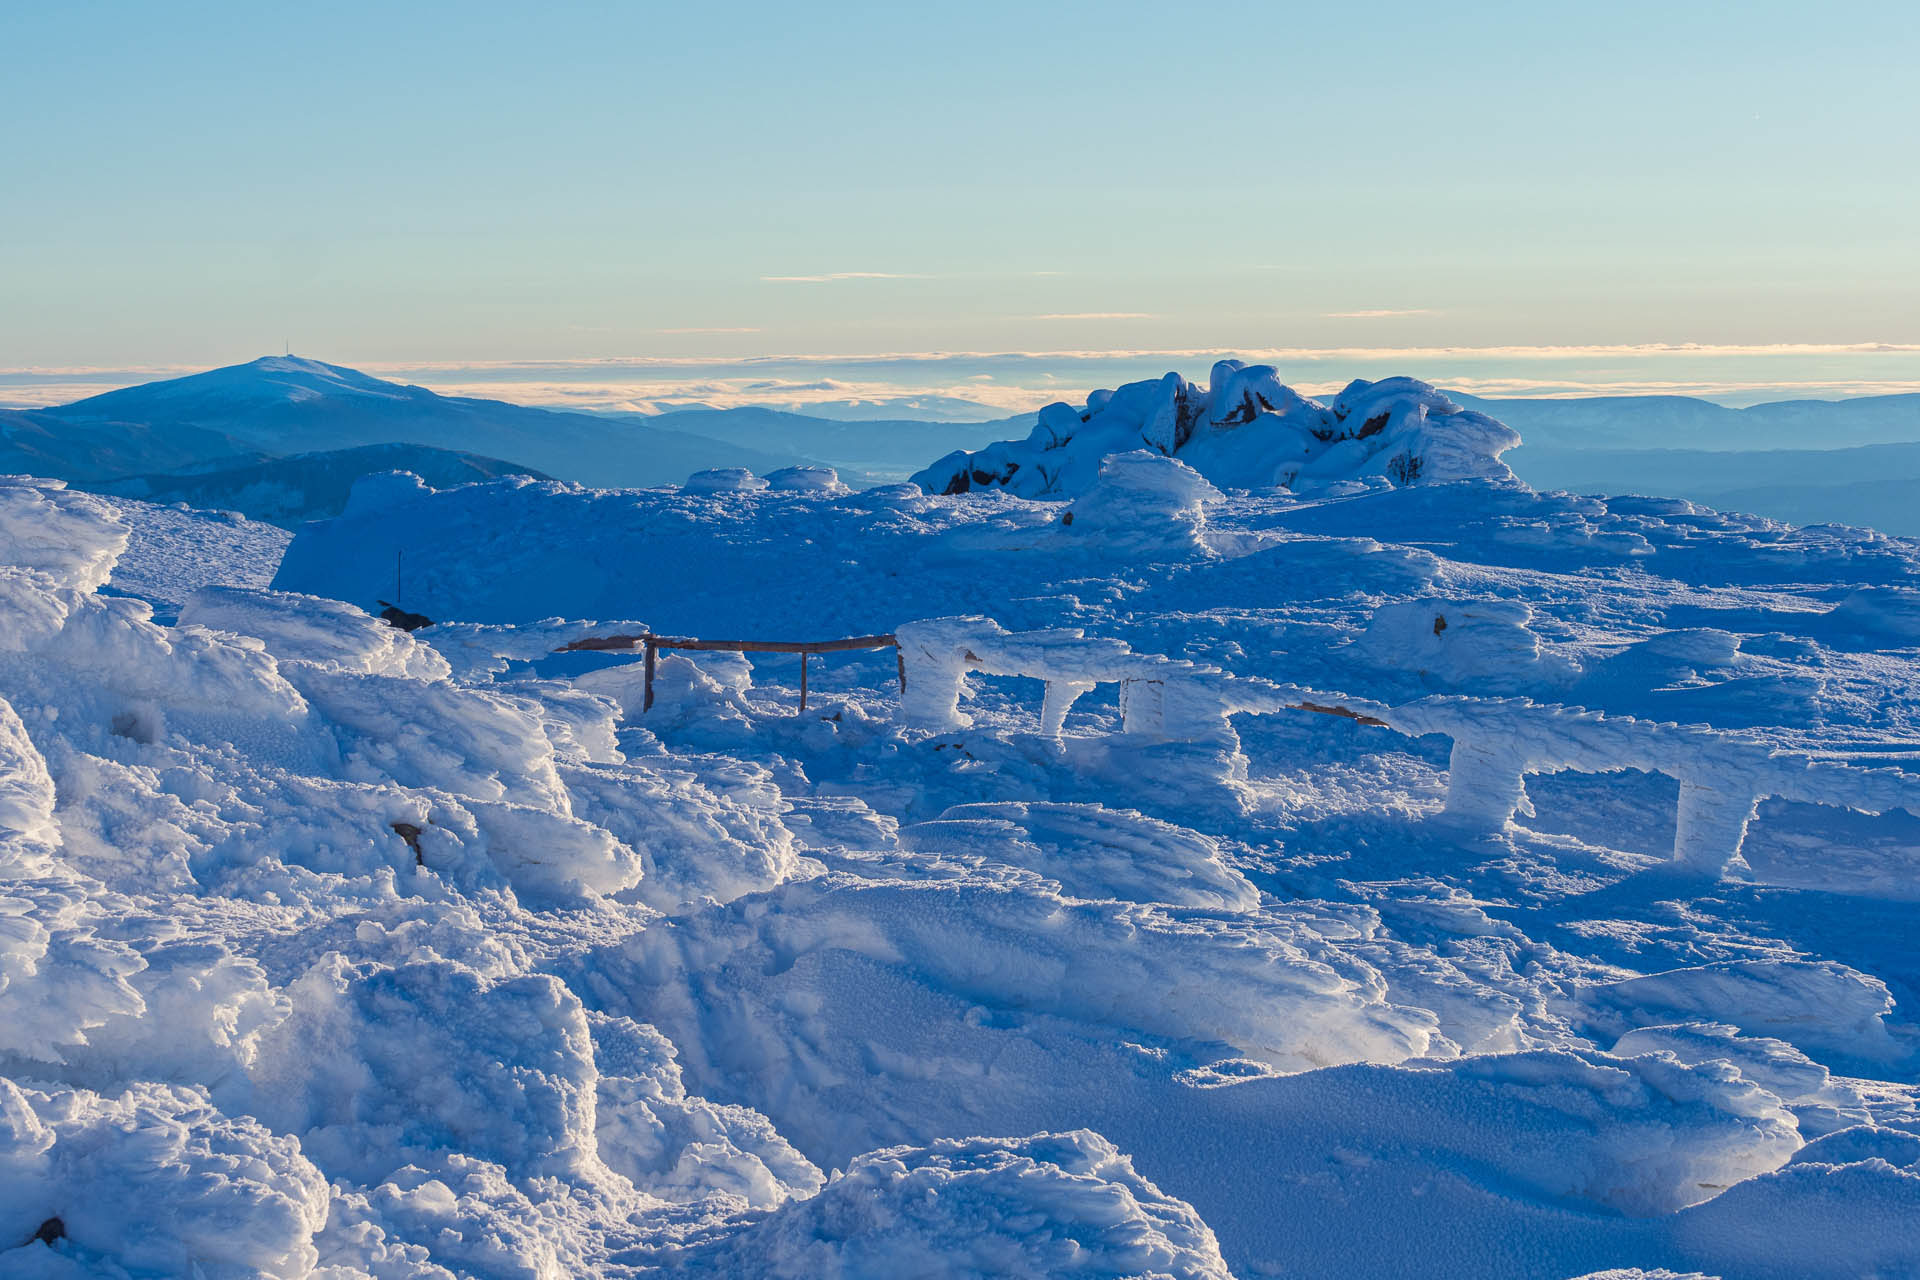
x=803 y=681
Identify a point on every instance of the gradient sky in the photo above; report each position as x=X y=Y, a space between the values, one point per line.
x=436 y=185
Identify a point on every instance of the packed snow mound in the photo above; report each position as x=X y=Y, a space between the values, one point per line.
x=1889 y=615
x=1064 y=1204
x=444 y=1059
x=1245 y=431
x=1642 y=1136
x=1821 y=1006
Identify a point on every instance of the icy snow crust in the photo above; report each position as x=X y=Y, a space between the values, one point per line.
x=329 y=949
x=1246 y=430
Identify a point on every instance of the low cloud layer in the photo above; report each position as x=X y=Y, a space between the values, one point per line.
x=996 y=384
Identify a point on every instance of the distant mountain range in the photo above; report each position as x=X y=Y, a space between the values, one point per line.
x=887 y=448
x=40 y=442
x=309 y=486
x=282 y=438
x=280 y=405
x=1666 y=422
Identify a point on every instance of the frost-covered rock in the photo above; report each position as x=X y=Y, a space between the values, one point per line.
x=1246 y=431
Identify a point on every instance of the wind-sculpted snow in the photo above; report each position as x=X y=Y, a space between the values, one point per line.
x=73 y=538
x=1063 y=1204
x=308 y=629
x=1245 y=430
x=1092 y=852
x=1379 y=880
x=153 y=1181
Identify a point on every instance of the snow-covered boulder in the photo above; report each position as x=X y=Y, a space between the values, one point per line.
x=1142 y=503
x=1245 y=431
x=820 y=480
x=1482 y=646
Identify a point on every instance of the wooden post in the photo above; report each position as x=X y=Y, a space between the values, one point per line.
x=803 y=680
x=652 y=649
x=900 y=661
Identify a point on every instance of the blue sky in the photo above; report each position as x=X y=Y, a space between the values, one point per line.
x=449 y=185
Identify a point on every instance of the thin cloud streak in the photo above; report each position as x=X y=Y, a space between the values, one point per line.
x=831 y=276
x=1381 y=314
x=1271 y=354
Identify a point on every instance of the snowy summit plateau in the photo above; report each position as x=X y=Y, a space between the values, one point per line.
x=1216 y=831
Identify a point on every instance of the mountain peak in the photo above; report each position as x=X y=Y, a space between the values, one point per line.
x=268 y=380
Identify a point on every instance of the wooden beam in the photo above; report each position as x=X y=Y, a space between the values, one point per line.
x=619 y=642
x=775 y=646
x=652 y=650
x=593 y=643
x=1343 y=712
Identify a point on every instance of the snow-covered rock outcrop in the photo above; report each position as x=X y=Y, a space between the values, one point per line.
x=1246 y=430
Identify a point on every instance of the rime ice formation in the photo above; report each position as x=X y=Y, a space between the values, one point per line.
x=1245 y=430
x=1430 y=879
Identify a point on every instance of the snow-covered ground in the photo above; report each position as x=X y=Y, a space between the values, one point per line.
x=329 y=949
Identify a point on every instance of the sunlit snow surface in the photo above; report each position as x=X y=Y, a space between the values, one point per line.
x=326 y=949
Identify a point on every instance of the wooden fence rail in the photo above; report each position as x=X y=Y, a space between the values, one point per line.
x=652 y=645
